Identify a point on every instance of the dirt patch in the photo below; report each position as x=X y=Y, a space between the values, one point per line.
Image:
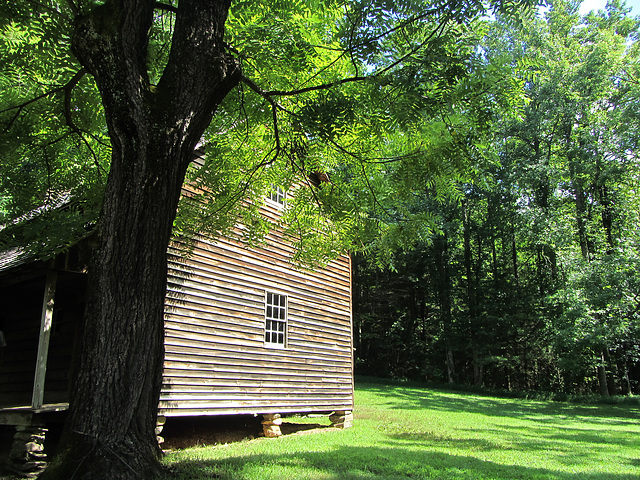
x=185 y=432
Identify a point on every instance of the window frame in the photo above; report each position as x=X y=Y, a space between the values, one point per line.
x=277 y=196
x=280 y=318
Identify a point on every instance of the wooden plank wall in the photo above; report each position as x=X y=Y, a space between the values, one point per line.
x=216 y=361
x=20 y=322
x=67 y=320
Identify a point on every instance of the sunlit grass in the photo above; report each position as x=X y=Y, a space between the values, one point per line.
x=405 y=432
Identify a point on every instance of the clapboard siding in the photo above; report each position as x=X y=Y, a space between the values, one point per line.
x=190 y=376
x=208 y=264
x=216 y=361
x=304 y=322
x=243 y=355
x=254 y=285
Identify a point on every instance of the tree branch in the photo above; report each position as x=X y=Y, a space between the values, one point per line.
x=401 y=25
x=199 y=72
x=50 y=9
x=166 y=7
x=22 y=106
x=74 y=8
x=68 y=90
x=267 y=94
x=362 y=163
x=274 y=107
x=324 y=86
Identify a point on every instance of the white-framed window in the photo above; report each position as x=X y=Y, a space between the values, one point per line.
x=277 y=195
x=275 y=327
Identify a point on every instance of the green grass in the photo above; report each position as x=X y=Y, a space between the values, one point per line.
x=403 y=432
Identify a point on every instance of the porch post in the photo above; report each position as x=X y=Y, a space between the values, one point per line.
x=43 y=341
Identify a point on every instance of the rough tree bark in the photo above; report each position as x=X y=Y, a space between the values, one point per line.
x=110 y=429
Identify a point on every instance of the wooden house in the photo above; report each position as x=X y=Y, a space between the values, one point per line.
x=245 y=333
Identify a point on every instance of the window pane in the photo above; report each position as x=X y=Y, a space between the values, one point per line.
x=277 y=194
x=275 y=318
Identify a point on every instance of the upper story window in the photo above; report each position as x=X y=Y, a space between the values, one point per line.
x=275 y=332
x=277 y=195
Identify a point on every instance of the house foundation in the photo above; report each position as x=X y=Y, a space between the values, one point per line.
x=271 y=425
x=342 y=419
x=160 y=421
x=27 y=457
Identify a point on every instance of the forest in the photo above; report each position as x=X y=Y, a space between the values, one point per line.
x=531 y=280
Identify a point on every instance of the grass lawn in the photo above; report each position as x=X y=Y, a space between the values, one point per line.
x=409 y=432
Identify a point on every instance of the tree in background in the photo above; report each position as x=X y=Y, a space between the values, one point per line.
x=540 y=248
x=583 y=168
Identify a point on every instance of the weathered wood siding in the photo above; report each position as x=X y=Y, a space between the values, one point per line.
x=20 y=321
x=216 y=359
x=66 y=328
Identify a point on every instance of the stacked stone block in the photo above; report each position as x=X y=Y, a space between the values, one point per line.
x=27 y=457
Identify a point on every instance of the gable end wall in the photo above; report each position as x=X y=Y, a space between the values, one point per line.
x=216 y=360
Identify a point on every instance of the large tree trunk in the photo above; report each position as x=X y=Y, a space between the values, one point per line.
x=110 y=431
x=443 y=290
x=577 y=184
x=472 y=304
x=602 y=376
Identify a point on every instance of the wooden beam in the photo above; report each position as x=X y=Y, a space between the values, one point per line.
x=43 y=341
x=23 y=418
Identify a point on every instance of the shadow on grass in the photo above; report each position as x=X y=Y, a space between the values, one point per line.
x=293 y=428
x=540 y=436
x=564 y=451
x=549 y=431
x=356 y=463
x=416 y=398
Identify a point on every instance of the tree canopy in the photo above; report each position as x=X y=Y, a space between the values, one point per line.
x=355 y=91
x=538 y=286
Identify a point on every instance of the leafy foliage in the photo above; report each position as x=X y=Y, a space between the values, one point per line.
x=44 y=162
x=536 y=288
